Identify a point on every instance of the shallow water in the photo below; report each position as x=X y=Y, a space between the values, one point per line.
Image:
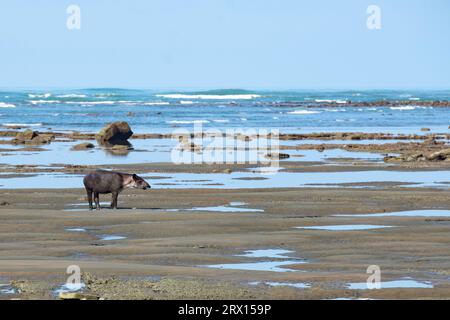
x=60 y=153
x=267 y=253
x=411 y=213
x=297 y=285
x=436 y=179
x=110 y=237
x=332 y=154
x=224 y=209
x=350 y=227
x=402 y=283
x=274 y=266
x=6 y=289
x=76 y=229
x=85 y=206
x=70 y=287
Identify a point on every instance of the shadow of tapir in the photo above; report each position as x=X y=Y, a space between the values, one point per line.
x=103 y=181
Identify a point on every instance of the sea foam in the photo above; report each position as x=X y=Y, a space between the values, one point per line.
x=44 y=95
x=304 y=112
x=403 y=108
x=6 y=105
x=187 y=121
x=210 y=96
x=21 y=124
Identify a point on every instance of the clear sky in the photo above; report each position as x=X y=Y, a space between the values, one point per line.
x=261 y=44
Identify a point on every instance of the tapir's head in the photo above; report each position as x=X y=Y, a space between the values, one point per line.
x=139 y=183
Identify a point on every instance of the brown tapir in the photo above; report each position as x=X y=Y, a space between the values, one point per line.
x=103 y=181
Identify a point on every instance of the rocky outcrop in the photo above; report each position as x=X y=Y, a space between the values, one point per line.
x=355 y=136
x=441 y=155
x=116 y=133
x=30 y=137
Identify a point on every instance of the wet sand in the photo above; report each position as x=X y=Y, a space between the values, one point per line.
x=191 y=242
x=166 y=251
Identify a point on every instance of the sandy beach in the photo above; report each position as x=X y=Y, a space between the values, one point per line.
x=207 y=238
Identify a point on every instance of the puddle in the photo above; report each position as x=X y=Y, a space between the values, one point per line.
x=85 y=206
x=225 y=209
x=332 y=155
x=274 y=266
x=266 y=253
x=402 y=283
x=237 y=203
x=111 y=237
x=297 y=285
x=70 y=287
x=345 y=227
x=76 y=229
x=6 y=289
x=411 y=213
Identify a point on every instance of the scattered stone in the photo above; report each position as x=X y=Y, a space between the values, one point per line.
x=277 y=156
x=83 y=146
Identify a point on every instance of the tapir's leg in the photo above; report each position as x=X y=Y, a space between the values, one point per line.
x=114 y=200
x=89 y=196
x=97 y=201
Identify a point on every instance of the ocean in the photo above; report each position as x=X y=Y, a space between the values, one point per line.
x=87 y=110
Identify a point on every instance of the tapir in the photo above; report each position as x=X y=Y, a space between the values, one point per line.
x=103 y=181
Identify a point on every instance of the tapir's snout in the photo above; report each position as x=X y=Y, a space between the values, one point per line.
x=146 y=186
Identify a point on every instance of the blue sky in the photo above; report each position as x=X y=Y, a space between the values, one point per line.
x=260 y=44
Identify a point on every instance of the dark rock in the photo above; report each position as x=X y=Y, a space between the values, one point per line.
x=116 y=133
x=277 y=156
